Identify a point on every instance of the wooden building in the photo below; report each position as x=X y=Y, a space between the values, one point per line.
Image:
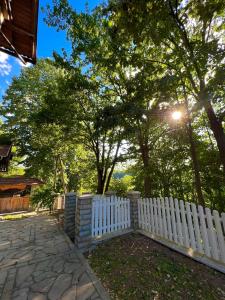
x=18 y=28
x=15 y=193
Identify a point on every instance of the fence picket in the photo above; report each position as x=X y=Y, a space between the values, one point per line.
x=113 y=221
x=196 y=228
x=128 y=212
x=204 y=232
x=145 y=213
x=219 y=235
x=184 y=225
x=164 y=219
x=124 y=213
x=92 y=221
x=116 y=214
x=108 y=214
x=160 y=217
x=100 y=216
x=152 y=216
x=104 y=216
x=121 y=213
x=212 y=238
x=156 y=216
x=179 y=228
x=174 y=228
x=148 y=215
x=97 y=218
x=190 y=226
x=139 y=214
x=142 y=213
x=168 y=219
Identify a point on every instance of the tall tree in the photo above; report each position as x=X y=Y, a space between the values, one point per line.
x=190 y=38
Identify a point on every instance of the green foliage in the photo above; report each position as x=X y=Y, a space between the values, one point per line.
x=43 y=197
x=122 y=185
x=110 y=100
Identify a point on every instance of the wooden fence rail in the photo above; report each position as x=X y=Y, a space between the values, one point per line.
x=14 y=204
x=184 y=224
x=109 y=215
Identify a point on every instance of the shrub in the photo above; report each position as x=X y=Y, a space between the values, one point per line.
x=43 y=197
x=121 y=185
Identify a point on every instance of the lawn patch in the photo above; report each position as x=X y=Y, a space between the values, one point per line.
x=136 y=267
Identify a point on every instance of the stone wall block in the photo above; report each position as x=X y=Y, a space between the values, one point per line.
x=69 y=214
x=83 y=236
x=134 y=196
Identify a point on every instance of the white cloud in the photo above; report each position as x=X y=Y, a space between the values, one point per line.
x=5 y=67
x=22 y=64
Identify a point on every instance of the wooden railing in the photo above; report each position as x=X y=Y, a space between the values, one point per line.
x=14 y=204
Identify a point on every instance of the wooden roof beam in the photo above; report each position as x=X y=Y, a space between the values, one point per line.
x=12 y=47
x=19 y=30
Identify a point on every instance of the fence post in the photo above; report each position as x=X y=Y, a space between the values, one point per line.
x=83 y=224
x=69 y=214
x=134 y=196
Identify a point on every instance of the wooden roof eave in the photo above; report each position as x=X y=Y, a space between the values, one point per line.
x=11 y=27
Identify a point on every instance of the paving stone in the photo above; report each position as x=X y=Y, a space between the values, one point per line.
x=77 y=273
x=85 y=288
x=43 y=275
x=58 y=266
x=68 y=267
x=27 y=283
x=42 y=265
x=36 y=296
x=3 y=275
x=70 y=294
x=61 y=284
x=21 y=294
x=4 y=245
x=23 y=273
x=94 y=296
x=37 y=261
x=43 y=286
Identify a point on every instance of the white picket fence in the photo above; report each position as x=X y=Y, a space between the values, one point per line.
x=109 y=214
x=184 y=224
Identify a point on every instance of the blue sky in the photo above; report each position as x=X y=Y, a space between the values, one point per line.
x=48 y=40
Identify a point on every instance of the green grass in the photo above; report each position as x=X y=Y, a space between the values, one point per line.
x=135 y=267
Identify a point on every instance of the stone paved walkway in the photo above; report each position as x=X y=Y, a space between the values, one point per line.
x=38 y=262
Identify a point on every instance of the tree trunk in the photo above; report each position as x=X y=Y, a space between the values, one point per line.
x=147 y=178
x=109 y=178
x=194 y=157
x=217 y=128
x=195 y=164
x=100 y=187
x=62 y=172
x=55 y=171
x=147 y=185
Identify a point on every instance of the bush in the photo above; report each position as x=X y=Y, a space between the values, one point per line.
x=121 y=185
x=43 y=197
